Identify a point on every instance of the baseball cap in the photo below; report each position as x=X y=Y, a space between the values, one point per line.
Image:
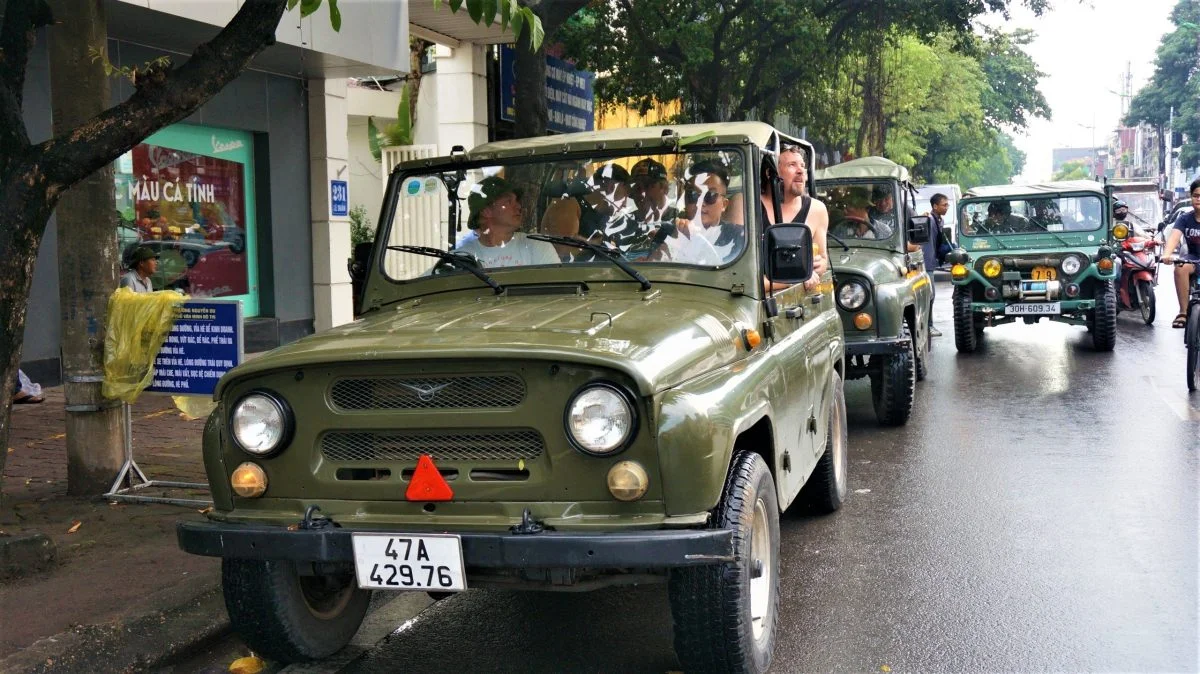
x=650 y=169
x=486 y=192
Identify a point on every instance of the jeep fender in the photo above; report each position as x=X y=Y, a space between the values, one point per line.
x=890 y=301
x=699 y=422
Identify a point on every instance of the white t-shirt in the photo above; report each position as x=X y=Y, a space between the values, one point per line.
x=520 y=251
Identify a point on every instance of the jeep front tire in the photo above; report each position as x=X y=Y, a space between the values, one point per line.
x=893 y=384
x=726 y=616
x=966 y=336
x=287 y=617
x=1104 y=318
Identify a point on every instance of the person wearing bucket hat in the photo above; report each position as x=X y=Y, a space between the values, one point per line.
x=142 y=265
x=496 y=217
x=649 y=187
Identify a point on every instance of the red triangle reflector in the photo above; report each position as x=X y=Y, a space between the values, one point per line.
x=427 y=484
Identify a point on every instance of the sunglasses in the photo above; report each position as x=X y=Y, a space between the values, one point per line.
x=710 y=198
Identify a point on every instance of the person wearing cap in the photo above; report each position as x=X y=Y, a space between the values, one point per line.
x=496 y=216
x=142 y=265
x=649 y=187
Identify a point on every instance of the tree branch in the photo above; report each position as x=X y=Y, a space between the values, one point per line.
x=22 y=19
x=70 y=157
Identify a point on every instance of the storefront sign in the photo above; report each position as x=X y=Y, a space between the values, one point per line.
x=204 y=344
x=570 y=99
x=339 y=198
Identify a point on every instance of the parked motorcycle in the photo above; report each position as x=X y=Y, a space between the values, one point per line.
x=1139 y=276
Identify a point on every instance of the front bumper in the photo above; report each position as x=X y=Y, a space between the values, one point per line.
x=548 y=549
x=879 y=347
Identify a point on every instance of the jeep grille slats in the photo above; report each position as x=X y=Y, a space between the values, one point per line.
x=407 y=446
x=412 y=393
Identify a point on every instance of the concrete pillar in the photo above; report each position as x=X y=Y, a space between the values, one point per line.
x=328 y=160
x=462 y=97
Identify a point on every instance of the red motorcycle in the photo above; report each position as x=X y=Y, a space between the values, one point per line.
x=1139 y=276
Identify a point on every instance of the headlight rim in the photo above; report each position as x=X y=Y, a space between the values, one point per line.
x=289 y=422
x=625 y=395
x=1078 y=262
x=866 y=295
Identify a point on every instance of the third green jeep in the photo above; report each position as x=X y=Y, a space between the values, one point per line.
x=884 y=294
x=567 y=375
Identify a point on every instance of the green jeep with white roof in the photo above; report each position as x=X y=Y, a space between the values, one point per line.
x=567 y=375
x=884 y=294
x=1028 y=252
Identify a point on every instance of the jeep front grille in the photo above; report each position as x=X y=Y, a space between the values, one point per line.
x=408 y=446
x=438 y=392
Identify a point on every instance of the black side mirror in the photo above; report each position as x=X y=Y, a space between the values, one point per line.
x=359 y=261
x=918 y=228
x=789 y=253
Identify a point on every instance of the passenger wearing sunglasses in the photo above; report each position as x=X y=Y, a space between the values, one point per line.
x=798 y=207
x=712 y=240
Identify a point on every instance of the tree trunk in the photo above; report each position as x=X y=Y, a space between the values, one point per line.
x=87 y=253
x=531 y=114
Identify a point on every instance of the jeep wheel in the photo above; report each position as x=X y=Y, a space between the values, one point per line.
x=893 y=384
x=287 y=617
x=966 y=337
x=825 y=490
x=1104 y=323
x=726 y=616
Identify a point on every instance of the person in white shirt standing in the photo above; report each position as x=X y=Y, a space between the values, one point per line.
x=142 y=265
x=496 y=216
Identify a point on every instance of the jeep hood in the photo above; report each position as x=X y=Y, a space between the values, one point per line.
x=878 y=265
x=659 y=341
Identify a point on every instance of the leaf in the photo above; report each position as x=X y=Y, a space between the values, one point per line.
x=404 y=121
x=455 y=5
x=251 y=664
x=475 y=9
x=489 y=12
x=335 y=16
x=75 y=527
x=506 y=7
x=373 y=139
x=536 y=32
x=307 y=7
x=518 y=22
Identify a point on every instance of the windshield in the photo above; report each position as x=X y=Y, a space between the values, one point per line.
x=677 y=208
x=1143 y=207
x=862 y=211
x=1028 y=215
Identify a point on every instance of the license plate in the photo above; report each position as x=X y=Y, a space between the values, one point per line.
x=404 y=562
x=1045 y=274
x=1033 y=309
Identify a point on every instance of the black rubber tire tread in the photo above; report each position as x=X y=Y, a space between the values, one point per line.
x=1148 y=308
x=966 y=339
x=894 y=385
x=1104 y=326
x=267 y=610
x=1191 y=336
x=820 y=493
x=710 y=605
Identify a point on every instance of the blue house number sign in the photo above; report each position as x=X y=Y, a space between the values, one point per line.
x=339 y=197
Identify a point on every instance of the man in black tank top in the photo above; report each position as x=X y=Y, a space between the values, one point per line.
x=800 y=208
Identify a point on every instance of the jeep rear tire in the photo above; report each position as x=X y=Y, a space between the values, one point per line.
x=825 y=490
x=893 y=384
x=1104 y=323
x=727 y=615
x=286 y=617
x=966 y=338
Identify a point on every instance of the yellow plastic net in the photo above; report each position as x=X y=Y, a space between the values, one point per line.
x=138 y=324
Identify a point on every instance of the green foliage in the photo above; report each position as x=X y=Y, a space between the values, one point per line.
x=398 y=133
x=361 y=229
x=1075 y=169
x=130 y=73
x=1176 y=82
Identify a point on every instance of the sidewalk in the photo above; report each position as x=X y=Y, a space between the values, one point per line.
x=120 y=572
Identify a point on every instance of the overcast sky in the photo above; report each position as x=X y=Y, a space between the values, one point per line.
x=1083 y=47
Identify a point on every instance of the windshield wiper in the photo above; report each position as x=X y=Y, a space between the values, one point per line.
x=1046 y=229
x=835 y=238
x=456 y=260
x=991 y=234
x=613 y=255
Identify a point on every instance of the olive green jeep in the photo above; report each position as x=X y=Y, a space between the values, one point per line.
x=567 y=374
x=884 y=294
x=1028 y=252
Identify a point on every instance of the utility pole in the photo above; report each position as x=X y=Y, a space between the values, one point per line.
x=87 y=253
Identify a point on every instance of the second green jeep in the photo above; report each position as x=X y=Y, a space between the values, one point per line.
x=567 y=375
x=884 y=295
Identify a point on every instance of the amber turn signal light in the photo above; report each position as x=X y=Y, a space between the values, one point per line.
x=248 y=480
x=1105 y=264
x=862 y=321
x=958 y=272
x=751 y=339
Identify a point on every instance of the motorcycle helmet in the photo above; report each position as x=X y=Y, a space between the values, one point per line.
x=1120 y=209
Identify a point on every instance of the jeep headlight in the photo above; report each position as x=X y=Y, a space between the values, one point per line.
x=1071 y=265
x=852 y=295
x=992 y=268
x=260 y=423
x=600 y=419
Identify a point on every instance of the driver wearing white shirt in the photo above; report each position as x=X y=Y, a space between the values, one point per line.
x=496 y=216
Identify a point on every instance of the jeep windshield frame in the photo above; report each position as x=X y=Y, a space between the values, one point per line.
x=428 y=176
x=826 y=189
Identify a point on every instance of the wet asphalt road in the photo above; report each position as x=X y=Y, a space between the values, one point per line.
x=1038 y=513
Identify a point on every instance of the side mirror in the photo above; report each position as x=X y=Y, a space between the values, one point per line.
x=359 y=261
x=918 y=228
x=789 y=253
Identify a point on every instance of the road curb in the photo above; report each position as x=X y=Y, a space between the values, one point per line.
x=131 y=643
x=25 y=554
